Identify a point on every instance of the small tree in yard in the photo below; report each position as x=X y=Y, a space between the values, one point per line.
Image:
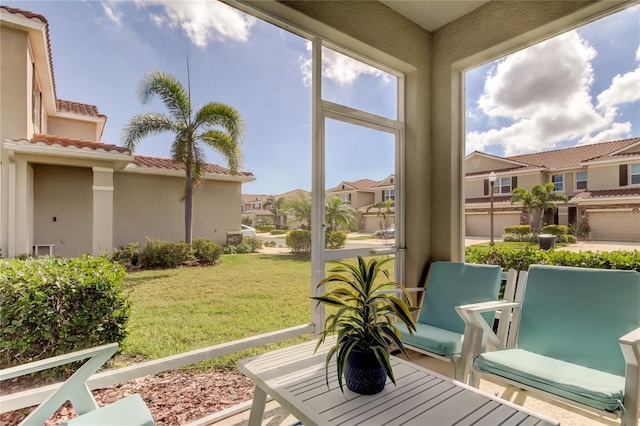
x=537 y=201
x=338 y=213
x=216 y=125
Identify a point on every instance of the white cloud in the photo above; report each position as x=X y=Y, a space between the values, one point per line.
x=624 y=88
x=204 y=21
x=114 y=15
x=338 y=67
x=543 y=92
x=615 y=132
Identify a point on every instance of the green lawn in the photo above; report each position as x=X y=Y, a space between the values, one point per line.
x=179 y=310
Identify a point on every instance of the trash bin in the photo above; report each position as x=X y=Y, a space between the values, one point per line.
x=546 y=241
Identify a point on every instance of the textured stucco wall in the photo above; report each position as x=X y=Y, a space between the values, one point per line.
x=147 y=206
x=71 y=128
x=64 y=193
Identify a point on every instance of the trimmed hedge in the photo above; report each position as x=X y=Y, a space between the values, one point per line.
x=265 y=228
x=521 y=258
x=518 y=229
x=52 y=306
x=335 y=239
x=206 y=251
x=299 y=241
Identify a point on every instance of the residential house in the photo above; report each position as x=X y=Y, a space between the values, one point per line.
x=256 y=208
x=601 y=180
x=61 y=187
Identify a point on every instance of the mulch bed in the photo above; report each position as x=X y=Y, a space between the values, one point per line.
x=174 y=397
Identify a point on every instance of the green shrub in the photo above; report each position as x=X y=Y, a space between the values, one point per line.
x=299 y=241
x=265 y=228
x=253 y=243
x=163 y=254
x=52 y=306
x=270 y=244
x=206 y=251
x=518 y=229
x=557 y=230
x=127 y=253
x=521 y=238
x=521 y=258
x=335 y=239
x=580 y=230
x=278 y=232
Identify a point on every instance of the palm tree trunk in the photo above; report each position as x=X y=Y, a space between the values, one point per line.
x=188 y=206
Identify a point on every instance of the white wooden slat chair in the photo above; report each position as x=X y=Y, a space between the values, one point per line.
x=130 y=410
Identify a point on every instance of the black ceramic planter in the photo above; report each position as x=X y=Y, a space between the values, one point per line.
x=363 y=374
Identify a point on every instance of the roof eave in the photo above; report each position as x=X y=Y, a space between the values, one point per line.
x=157 y=171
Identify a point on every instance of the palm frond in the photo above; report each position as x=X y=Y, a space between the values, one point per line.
x=226 y=146
x=143 y=125
x=170 y=91
x=216 y=114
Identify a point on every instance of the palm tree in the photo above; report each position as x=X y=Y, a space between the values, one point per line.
x=275 y=206
x=300 y=207
x=338 y=213
x=537 y=201
x=216 y=125
x=383 y=215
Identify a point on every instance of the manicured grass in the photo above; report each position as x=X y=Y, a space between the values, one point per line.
x=363 y=237
x=179 y=310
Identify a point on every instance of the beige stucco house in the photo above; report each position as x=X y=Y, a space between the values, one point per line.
x=601 y=180
x=62 y=189
x=257 y=209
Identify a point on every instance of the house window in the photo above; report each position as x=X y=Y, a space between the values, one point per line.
x=558 y=182
x=256 y=205
x=502 y=186
x=345 y=198
x=635 y=174
x=388 y=194
x=581 y=180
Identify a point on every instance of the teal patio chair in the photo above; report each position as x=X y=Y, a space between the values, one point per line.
x=128 y=411
x=576 y=340
x=440 y=331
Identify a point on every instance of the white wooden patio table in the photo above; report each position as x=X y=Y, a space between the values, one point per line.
x=295 y=378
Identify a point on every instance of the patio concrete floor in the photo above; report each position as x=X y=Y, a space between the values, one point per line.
x=567 y=415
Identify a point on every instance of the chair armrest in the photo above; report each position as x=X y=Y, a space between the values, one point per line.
x=493 y=305
x=630 y=346
x=632 y=338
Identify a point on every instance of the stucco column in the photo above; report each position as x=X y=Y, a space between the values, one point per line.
x=20 y=213
x=102 y=210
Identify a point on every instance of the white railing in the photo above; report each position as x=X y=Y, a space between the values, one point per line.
x=36 y=396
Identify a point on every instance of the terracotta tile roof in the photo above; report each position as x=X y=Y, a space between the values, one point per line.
x=78 y=108
x=31 y=15
x=507 y=170
x=252 y=198
x=166 y=163
x=496 y=199
x=608 y=193
x=259 y=212
x=362 y=185
x=571 y=157
x=66 y=142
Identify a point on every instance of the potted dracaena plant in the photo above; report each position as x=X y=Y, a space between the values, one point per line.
x=364 y=323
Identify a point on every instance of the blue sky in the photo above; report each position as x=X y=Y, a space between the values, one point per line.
x=582 y=87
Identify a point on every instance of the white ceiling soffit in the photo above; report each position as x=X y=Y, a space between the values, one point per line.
x=432 y=14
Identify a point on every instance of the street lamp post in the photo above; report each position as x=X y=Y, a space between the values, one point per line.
x=492 y=181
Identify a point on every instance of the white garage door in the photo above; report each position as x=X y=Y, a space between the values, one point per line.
x=614 y=225
x=479 y=225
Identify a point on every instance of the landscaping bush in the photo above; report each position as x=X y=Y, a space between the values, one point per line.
x=518 y=229
x=335 y=239
x=520 y=238
x=163 y=254
x=206 y=251
x=299 y=241
x=52 y=306
x=270 y=244
x=253 y=243
x=580 y=230
x=278 y=232
x=560 y=231
x=265 y=228
x=127 y=253
x=521 y=258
